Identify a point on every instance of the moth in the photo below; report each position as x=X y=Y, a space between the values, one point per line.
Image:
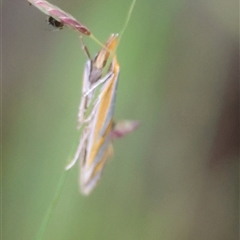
x=96 y=143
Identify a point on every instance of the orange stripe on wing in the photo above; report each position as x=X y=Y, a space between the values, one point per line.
x=106 y=98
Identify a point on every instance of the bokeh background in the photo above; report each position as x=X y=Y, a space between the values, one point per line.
x=174 y=178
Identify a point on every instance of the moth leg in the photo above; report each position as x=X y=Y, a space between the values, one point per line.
x=85 y=87
x=100 y=81
x=87 y=97
x=93 y=112
x=80 y=148
x=91 y=115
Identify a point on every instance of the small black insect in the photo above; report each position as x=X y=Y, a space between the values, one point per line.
x=55 y=23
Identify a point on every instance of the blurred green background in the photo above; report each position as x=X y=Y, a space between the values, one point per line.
x=176 y=177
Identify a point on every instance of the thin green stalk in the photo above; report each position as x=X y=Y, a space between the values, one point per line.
x=127 y=20
x=58 y=191
x=52 y=206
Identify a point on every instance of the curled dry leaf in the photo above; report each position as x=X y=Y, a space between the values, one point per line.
x=59 y=15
